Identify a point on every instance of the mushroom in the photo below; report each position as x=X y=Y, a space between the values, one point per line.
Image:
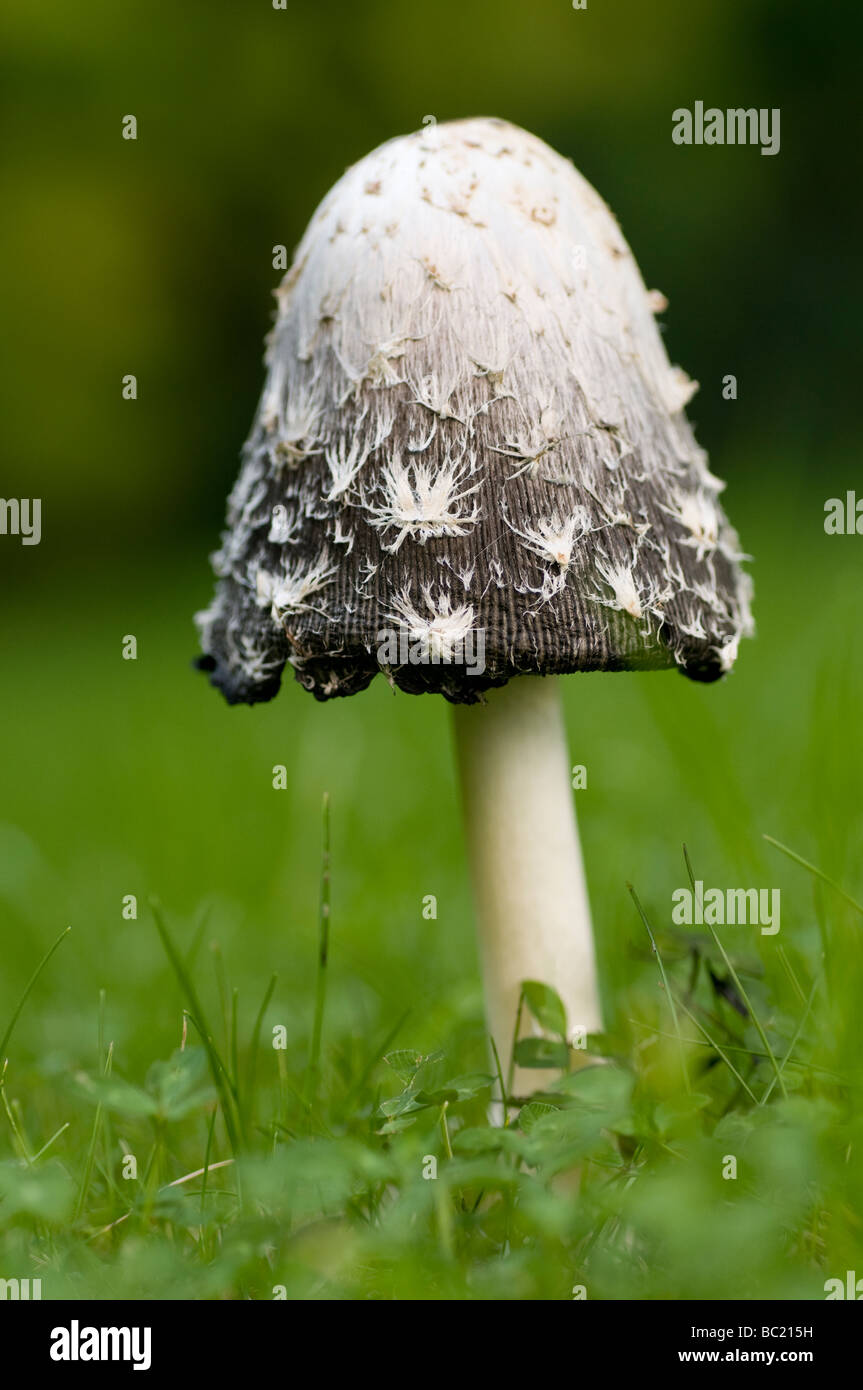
x=470 y=470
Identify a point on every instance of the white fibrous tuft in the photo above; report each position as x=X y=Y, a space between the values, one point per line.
x=625 y=587
x=434 y=392
x=346 y=457
x=342 y=537
x=696 y=511
x=292 y=418
x=205 y=620
x=678 y=390
x=441 y=630
x=255 y=665
x=285 y=526
x=532 y=446
x=728 y=653
x=554 y=539
x=422 y=500
x=289 y=590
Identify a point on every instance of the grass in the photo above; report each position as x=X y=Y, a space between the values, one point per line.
x=238 y=1095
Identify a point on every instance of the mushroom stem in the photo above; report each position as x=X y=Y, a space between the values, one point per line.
x=528 y=876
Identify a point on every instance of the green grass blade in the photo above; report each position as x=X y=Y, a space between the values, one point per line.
x=210 y=1130
x=323 y=955
x=377 y=1052
x=252 y=1064
x=740 y=990
x=804 y=863
x=715 y=1045
x=17 y=1134
x=46 y=1146
x=510 y=1074
x=666 y=986
x=791 y=1046
x=500 y=1081
x=233 y=1050
x=218 y=1069
x=28 y=988
x=94 y=1140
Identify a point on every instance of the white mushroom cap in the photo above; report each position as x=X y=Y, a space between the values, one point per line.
x=469 y=411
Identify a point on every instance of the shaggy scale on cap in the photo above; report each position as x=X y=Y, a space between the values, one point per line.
x=469 y=426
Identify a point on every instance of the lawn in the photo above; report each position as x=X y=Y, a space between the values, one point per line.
x=714 y=1154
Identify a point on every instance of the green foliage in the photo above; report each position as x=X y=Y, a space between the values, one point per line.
x=614 y=1175
x=173 y=1089
x=546 y=1007
x=419 y=1093
x=45 y=1194
x=265 y=1163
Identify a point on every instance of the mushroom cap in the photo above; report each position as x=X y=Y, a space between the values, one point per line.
x=470 y=459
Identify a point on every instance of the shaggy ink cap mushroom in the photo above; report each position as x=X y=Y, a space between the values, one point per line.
x=471 y=438
x=470 y=434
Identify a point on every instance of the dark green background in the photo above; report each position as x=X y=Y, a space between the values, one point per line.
x=155 y=257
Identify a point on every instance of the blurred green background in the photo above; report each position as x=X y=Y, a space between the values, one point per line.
x=154 y=257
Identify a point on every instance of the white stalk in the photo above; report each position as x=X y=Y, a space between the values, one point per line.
x=528 y=876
